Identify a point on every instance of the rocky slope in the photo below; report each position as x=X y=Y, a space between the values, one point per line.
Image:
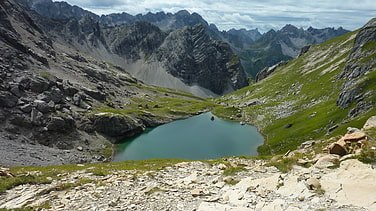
x=361 y=62
x=59 y=105
x=320 y=93
x=317 y=181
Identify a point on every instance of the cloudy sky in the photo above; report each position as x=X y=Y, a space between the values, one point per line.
x=250 y=14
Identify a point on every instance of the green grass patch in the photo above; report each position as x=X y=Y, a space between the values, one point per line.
x=233 y=182
x=233 y=170
x=369 y=46
x=284 y=165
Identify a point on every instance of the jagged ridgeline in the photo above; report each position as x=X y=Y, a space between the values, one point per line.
x=324 y=91
x=255 y=50
x=183 y=55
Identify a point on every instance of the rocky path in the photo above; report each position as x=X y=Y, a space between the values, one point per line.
x=204 y=186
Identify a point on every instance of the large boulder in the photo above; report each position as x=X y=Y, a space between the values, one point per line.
x=371 y=123
x=7 y=99
x=117 y=127
x=337 y=149
x=55 y=95
x=60 y=124
x=43 y=106
x=20 y=120
x=95 y=94
x=39 y=84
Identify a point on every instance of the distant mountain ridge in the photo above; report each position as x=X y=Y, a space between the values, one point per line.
x=256 y=50
x=285 y=44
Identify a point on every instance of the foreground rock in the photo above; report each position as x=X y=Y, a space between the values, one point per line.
x=203 y=186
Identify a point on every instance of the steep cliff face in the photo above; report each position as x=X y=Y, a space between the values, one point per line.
x=136 y=41
x=191 y=55
x=361 y=62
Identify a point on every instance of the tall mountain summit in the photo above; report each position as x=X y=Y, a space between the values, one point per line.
x=270 y=48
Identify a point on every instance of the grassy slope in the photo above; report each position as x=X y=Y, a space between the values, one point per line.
x=302 y=93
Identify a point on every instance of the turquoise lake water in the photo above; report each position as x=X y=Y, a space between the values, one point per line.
x=194 y=138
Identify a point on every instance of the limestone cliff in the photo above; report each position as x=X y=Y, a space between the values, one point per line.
x=361 y=62
x=191 y=55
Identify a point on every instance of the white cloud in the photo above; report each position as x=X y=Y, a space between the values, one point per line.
x=250 y=14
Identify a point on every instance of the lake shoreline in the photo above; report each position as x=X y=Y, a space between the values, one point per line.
x=221 y=139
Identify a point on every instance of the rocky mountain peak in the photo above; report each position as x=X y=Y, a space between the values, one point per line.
x=289 y=27
x=191 y=54
x=135 y=41
x=56 y=9
x=183 y=13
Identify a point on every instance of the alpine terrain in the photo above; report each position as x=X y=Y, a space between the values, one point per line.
x=74 y=84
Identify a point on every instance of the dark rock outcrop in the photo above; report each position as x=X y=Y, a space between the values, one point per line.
x=117 y=127
x=7 y=99
x=135 y=41
x=359 y=64
x=268 y=70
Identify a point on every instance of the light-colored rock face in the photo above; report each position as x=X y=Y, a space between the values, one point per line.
x=371 y=123
x=202 y=186
x=351 y=184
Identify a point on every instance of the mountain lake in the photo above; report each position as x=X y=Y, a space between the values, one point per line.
x=196 y=138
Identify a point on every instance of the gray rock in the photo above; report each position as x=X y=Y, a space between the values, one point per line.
x=7 y=99
x=56 y=124
x=14 y=89
x=24 y=83
x=77 y=99
x=26 y=108
x=20 y=120
x=69 y=90
x=95 y=94
x=360 y=108
x=352 y=130
x=36 y=117
x=39 y=84
x=55 y=95
x=306 y=144
x=42 y=106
